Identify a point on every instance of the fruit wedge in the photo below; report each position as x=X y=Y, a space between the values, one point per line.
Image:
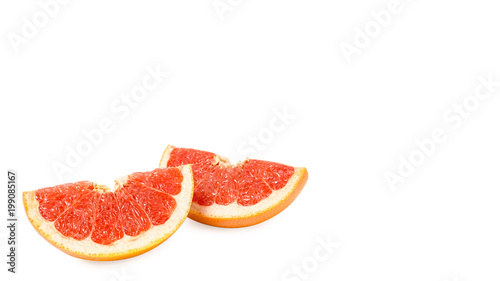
x=90 y=221
x=238 y=195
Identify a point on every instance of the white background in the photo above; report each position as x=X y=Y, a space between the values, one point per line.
x=227 y=78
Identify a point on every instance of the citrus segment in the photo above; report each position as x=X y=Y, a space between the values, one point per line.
x=181 y=156
x=54 y=200
x=78 y=220
x=136 y=220
x=228 y=186
x=108 y=222
x=157 y=205
x=93 y=222
x=166 y=180
x=273 y=174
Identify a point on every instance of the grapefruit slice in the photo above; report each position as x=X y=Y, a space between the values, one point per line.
x=238 y=195
x=90 y=221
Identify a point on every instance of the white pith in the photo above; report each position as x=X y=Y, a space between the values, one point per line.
x=128 y=244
